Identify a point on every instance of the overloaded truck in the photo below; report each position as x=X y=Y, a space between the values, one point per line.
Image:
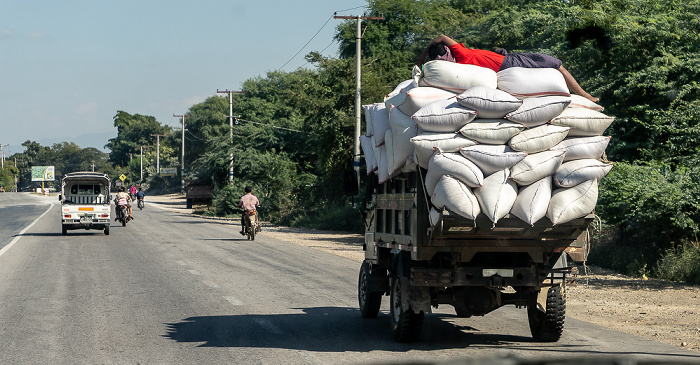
x=481 y=191
x=472 y=265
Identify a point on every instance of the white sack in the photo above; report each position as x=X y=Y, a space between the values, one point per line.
x=426 y=143
x=452 y=164
x=491 y=131
x=539 y=138
x=538 y=111
x=529 y=82
x=456 y=77
x=380 y=123
x=382 y=161
x=417 y=98
x=497 y=196
x=366 y=144
x=434 y=216
x=536 y=166
x=583 y=122
x=389 y=144
x=402 y=130
x=568 y=204
x=578 y=101
x=404 y=86
x=577 y=148
x=492 y=158
x=369 y=113
x=533 y=200
x=577 y=171
x=456 y=197
x=489 y=103
x=410 y=165
x=443 y=116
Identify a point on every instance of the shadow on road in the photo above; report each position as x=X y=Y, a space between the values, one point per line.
x=325 y=329
x=339 y=329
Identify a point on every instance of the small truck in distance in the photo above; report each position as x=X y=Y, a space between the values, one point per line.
x=85 y=201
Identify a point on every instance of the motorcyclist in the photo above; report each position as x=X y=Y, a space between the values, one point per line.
x=140 y=195
x=122 y=198
x=132 y=191
x=248 y=202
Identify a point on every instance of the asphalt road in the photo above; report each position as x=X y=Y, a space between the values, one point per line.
x=169 y=288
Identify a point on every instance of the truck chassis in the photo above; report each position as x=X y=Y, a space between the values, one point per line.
x=475 y=266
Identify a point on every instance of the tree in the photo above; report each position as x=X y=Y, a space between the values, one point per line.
x=134 y=131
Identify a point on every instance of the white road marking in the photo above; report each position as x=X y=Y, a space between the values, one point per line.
x=193 y=272
x=268 y=326
x=211 y=284
x=14 y=240
x=180 y=262
x=233 y=301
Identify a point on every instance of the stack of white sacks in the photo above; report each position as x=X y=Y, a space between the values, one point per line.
x=494 y=143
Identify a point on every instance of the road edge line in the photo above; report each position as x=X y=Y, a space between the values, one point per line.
x=19 y=235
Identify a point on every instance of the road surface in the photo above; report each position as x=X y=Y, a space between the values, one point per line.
x=170 y=288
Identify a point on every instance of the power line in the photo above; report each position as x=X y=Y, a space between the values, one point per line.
x=319 y=31
x=268 y=125
x=321 y=51
x=307 y=43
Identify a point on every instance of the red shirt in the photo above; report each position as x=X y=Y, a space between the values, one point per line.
x=478 y=57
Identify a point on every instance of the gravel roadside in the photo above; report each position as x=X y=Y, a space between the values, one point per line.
x=654 y=309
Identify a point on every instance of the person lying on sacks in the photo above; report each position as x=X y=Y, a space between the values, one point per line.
x=447 y=49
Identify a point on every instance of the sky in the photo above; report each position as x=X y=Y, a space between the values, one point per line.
x=67 y=67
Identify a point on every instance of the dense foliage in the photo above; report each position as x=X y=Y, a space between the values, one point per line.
x=292 y=139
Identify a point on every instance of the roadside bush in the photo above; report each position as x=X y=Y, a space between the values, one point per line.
x=332 y=219
x=609 y=251
x=681 y=264
x=654 y=209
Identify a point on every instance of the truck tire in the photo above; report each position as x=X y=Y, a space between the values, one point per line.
x=370 y=302
x=548 y=326
x=107 y=230
x=406 y=325
x=189 y=203
x=64 y=230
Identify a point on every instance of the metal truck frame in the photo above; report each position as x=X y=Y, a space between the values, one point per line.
x=85 y=201
x=474 y=265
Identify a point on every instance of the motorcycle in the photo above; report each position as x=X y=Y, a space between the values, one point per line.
x=141 y=204
x=122 y=214
x=252 y=224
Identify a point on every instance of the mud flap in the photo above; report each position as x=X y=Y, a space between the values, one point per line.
x=420 y=299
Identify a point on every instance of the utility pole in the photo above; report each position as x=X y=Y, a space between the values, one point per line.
x=182 y=159
x=2 y=154
x=358 y=82
x=158 y=151
x=230 y=118
x=141 y=179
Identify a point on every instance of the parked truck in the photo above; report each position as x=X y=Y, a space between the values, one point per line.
x=198 y=193
x=475 y=266
x=85 y=201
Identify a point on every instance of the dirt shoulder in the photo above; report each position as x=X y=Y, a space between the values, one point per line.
x=654 y=309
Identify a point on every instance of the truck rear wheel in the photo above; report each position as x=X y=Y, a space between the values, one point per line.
x=406 y=325
x=548 y=326
x=64 y=230
x=370 y=302
x=107 y=230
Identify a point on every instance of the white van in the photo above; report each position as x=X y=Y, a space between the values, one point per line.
x=85 y=201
